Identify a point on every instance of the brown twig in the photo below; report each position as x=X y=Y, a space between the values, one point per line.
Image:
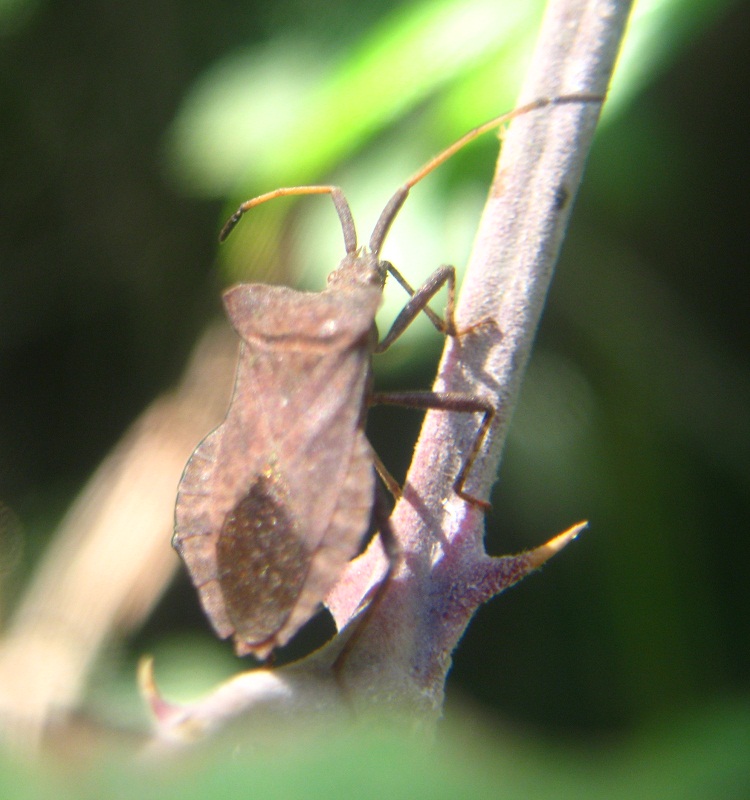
x=110 y=559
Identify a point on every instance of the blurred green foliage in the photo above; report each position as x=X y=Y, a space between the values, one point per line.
x=696 y=755
x=129 y=130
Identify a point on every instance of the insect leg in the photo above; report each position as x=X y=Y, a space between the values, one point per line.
x=420 y=298
x=446 y=401
x=390 y=482
x=418 y=302
x=449 y=401
x=381 y=517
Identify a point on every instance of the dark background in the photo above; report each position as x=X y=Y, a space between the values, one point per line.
x=635 y=413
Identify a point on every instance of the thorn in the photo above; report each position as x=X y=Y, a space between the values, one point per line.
x=163 y=712
x=544 y=552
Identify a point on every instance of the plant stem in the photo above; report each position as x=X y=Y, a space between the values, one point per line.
x=405 y=651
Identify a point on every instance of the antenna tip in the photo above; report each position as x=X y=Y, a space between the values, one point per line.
x=229 y=225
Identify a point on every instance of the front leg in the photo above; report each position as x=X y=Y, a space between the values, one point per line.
x=418 y=302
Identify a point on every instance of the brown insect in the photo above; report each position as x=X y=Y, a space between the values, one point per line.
x=275 y=502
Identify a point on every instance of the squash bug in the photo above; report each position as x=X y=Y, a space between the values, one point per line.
x=276 y=501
